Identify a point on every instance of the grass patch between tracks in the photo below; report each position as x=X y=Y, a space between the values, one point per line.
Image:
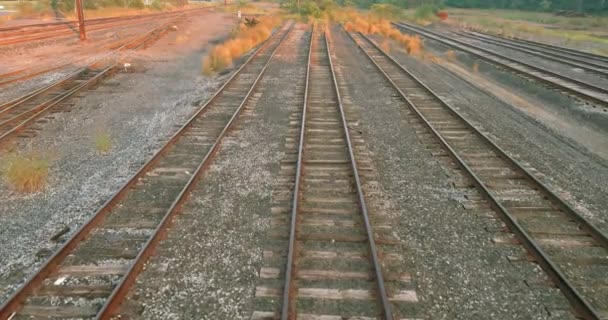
x=26 y=172
x=102 y=142
x=244 y=39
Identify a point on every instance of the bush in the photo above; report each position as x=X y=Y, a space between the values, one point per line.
x=426 y=11
x=103 y=142
x=387 y=11
x=244 y=39
x=26 y=173
x=157 y=5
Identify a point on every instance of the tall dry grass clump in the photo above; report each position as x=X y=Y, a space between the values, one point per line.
x=26 y=172
x=244 y=39
x=370 y=25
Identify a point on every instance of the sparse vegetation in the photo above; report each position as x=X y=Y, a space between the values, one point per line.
x=26 y=172
x=102 y=142
x=450 y=55
x=369 y=24
x=586 y=33
x=49 y=9
x=243 y=40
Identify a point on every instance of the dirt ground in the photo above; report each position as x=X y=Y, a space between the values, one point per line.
x=138 y=110
x=45 y=54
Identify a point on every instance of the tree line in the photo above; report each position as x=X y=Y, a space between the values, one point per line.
x=537 y=5
x=594 y=6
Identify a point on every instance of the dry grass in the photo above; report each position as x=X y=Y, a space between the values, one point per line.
x=102 y=142
x=370 y=24
x=26 y=172
x=42 y=10
x=244 y=39
x=450 y=55
x=583 y=33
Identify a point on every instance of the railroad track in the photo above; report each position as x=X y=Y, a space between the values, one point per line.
x=32 y=71
x=91 y=273
x=22 y=34
x=18 y=115
x=572 y=252
x=586 y=91
x=326 y=263
x=550 y=48
x=574 y=61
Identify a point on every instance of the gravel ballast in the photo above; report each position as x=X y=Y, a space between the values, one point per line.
x=460 y=273
x=560 y=159
x=208 y=265
x=137 y=110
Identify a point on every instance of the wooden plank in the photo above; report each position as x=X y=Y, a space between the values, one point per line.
x=405 y=296
x=59 y=311
x=264 y=315
x=94 y=270
x=88 y=291
x=267 y=292
x=335 y=294
x=331 y=237
x=269 y=273
x=315 y=274
x=327 y=222
x=565 y=241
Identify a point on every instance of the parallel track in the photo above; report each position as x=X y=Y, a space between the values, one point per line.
x=333 y=268
x=552 y=48
x=568 y=247
x=21 y=74
x=18 y=114
x=589 y=92
x=91 y=273
x=21 y=34
x=574 y=61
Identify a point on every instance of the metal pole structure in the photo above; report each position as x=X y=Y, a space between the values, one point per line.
x=80 y=12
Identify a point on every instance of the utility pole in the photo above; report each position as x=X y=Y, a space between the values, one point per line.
x=80 y=13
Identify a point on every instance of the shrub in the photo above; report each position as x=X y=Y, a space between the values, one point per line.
x=26 y=173
x=243 y=40
x=157 y=5
x=358 y=23
x=387 y=11
x=310 y=8
x=425 y=11
x=102 y=142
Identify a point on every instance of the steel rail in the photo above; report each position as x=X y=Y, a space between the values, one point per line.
x=287 y=288
x=12 y=304
x=578 y=53
x=531 y=46
x=122 y=288
x=581 y=64
x=460 y=45
x=388 y=313
x=35 y=112
x=75 y=73
x=22 y=74
x=579 y=303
